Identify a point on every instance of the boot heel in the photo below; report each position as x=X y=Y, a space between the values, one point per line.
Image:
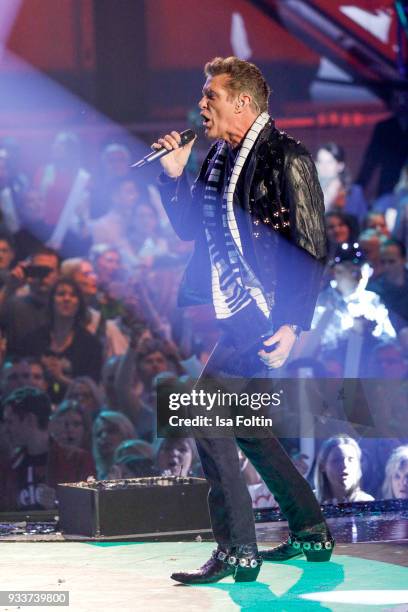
x=323 y=554
x=246 y=574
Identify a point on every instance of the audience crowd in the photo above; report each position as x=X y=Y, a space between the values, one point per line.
x=89 y=271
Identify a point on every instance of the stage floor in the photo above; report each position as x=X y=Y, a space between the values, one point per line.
x=369 y=571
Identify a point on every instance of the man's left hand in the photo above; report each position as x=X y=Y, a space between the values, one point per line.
x=285 y=338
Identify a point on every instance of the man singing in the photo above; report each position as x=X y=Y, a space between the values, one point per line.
x=256 y=215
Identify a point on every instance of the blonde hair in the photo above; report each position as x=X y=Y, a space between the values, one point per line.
x=70 y=266
x=398 y=458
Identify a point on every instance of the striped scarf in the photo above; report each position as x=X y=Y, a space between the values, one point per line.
x=234 y=285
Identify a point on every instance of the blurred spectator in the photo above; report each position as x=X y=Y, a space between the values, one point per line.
x=12 y=185
x=145 y=359
x=145 y=237
x=109 y=371
x=23 y=315
x=67 y=349
x=29 y=480
x=403 y=341
x=389 y=203
x=395 y=484
x=392 y=284
x=115 y=163
x=109 y=268
x=388 y=147
x=338 y=472
x=340 y=195
x=176 y=457
x=34 y=231
x=350 y=304
x=63 y=177
x=71 y=425
x=388 y=361
x=86 y=392
x=7 y=255
x=133 y=458
x=400 y=232
x=106 y=330
x=376 y=221
x=22 y=372
x=130 y=466
x=370 y=242
x=116 y=160
x=135 y=447
x=260 y=495
x=113 y=226
x=109 y=430
x=107 y=263
x=339 y=228
x=81 y=271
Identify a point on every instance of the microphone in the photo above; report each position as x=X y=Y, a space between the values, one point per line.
x=186 y=137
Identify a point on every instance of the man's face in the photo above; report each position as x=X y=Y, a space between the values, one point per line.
x=218 y=107
x=6 y=255
x=392 y=262
x=153 y=364
x=31 y=375
x=42 y=286
x=18 y=430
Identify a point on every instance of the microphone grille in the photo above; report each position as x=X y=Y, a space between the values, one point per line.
x=187 y=136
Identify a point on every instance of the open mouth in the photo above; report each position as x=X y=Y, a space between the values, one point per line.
x=206 y=120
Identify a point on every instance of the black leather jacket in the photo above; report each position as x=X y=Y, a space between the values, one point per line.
x=280 y=192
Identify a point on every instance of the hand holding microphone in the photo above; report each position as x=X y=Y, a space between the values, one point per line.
x=173 y=150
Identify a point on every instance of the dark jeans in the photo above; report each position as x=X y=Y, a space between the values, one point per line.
x=229 y=501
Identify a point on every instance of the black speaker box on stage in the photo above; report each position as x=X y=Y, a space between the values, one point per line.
x=134 y=507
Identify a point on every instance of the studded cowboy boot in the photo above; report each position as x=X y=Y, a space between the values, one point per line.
x=241 y=562
x=316 y=543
